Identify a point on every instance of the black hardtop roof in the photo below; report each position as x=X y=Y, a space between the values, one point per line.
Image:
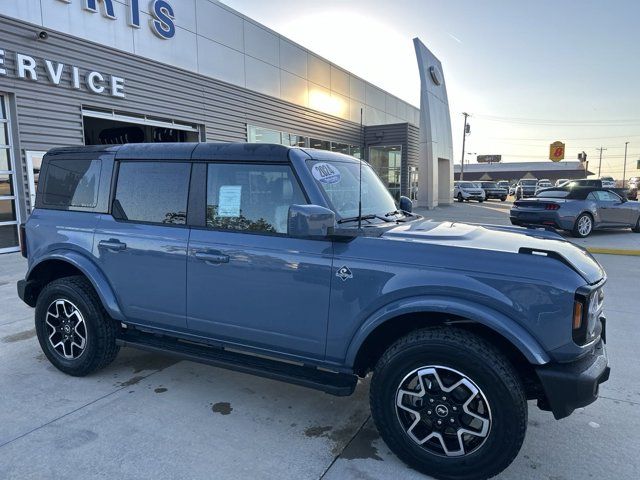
x=262 y=152
x=579 y=193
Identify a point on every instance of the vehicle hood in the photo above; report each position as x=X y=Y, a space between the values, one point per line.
x=516 y=240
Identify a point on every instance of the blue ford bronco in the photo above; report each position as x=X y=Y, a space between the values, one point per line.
x=297 y=265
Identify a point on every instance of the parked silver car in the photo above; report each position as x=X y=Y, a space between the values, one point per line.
x=579 y=210
x=468 y=191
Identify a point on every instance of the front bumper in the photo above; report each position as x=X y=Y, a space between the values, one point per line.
x=472 y=196
x=568 y=386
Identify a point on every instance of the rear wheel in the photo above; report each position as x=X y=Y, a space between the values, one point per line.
x=449 y=404
x=74 y=330
x=583 y=226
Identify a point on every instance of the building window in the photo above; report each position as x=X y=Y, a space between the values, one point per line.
x=413 y=183
x=292 y=140
x=340 y=148
x=111 y=128
x=387 y=162
x=152 y=192
x=8 y=207
x=320 y=144
x=251 y=198
x=263 y=135
x=355 y=151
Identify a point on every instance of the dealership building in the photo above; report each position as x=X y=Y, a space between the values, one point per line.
x=85 y=72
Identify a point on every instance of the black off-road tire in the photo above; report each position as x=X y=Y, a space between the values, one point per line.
x=100 y=348
x=479 y=361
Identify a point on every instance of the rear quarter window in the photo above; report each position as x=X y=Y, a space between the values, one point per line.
x=152 y=192
x=71 y=183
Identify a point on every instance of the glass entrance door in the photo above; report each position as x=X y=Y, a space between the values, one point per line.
x=387 y=163
x=8 y=208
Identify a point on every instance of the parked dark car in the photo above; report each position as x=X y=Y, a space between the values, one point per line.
x=492 y=190
x=526 y=188
x=504 y=184
x=579 y=210
x=265 y=259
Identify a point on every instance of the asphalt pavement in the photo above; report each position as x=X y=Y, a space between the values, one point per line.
x=497 y=213
x=148 y=416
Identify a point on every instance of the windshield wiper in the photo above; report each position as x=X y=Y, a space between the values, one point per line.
x=363 y=217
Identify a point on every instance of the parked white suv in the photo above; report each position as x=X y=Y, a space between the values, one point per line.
x=468 y=191
x=608 y=182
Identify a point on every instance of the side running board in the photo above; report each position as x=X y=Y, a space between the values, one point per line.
x=340 y=384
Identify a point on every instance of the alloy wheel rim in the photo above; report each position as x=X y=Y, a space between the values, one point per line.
x=584 y=225
x=443 y=411
x=67 y=330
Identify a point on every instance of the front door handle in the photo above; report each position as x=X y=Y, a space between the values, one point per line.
x=211 y=257
x=115 y=245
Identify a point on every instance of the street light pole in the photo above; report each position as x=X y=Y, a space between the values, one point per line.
x=464 y=138
x=624 y=168
x=600 y=162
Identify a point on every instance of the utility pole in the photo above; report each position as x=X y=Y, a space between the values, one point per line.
x=464 y=138
x=600 y=162
x=624 y=168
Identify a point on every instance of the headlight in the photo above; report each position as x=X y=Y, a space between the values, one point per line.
x=586 y=316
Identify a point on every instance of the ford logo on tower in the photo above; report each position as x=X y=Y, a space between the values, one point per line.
x=162 y=14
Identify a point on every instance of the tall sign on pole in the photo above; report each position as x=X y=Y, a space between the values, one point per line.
x=556 y=151
x=465 y=131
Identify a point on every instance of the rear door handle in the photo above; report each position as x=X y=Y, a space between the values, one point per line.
x=212 y=257
x=115 y=245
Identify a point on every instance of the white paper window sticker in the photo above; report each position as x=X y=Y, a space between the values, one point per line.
x=229 y=200
x=326 y=173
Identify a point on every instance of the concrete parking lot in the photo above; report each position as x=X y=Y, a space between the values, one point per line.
x=150 y=416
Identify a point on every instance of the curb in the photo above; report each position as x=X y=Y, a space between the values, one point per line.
x=613 y=251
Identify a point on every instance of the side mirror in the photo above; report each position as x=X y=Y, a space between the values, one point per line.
x=406 y=204
x=310 y=221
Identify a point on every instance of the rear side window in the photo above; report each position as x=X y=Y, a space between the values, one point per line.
x=152 y=192
x=71 y=183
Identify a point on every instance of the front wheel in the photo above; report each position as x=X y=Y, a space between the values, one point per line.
x=636 y=229
x=449 y=404
x=503 y=199
x=460 y=199
x=74 y=331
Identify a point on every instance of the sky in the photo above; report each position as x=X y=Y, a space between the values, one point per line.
x=528 y=72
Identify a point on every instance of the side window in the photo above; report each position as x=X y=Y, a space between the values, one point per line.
x=152 y=192
x=610 y=197
x=254 y=198
x=71 y=183
x=593 y=196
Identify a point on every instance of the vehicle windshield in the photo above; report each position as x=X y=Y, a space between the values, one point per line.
x=339 y=182
x=607 y=179
x=489 y=185
x=544 y=184
x=529 y=183
x=467 y=185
